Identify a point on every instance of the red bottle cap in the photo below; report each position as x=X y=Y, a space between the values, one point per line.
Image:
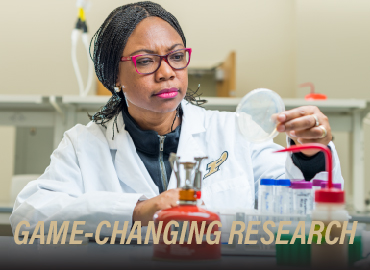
x=199 y=194
x=328 y=194
x=332 y=195
x=312 y=95
x=315 y=96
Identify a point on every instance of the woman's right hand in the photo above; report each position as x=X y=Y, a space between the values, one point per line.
x=144 y=210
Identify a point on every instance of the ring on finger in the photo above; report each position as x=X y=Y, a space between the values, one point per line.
x=316 y=120
x=324 y=133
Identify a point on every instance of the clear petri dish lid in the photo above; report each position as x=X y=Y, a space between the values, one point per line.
x=256 y=115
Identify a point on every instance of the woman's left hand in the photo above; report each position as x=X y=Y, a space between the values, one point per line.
x=306 y=124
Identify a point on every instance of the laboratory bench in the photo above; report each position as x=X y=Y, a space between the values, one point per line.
x=90 y=255
x=63 y=112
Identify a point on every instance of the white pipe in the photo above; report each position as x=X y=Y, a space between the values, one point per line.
x=76 y=33
x=90 y=74
x=74 y=37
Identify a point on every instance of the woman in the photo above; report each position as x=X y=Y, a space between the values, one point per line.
x=116 y=168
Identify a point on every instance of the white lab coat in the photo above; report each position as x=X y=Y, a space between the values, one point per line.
x=94 y=178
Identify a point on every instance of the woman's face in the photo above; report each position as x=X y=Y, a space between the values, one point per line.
x=156 y=36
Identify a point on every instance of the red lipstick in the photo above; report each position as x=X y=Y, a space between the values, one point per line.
x=168 y=93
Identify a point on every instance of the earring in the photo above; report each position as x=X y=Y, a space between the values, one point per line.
x=117 y=89
x=124 y=94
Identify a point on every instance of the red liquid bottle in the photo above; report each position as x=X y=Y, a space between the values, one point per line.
x=330 y=206
x=190 y=225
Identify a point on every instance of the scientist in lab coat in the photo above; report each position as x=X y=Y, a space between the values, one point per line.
x=116 y=167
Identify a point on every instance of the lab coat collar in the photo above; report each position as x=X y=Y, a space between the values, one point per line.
x=192 y=124
x=112 y=142
x=129 y=167
x=193 y=121
x=193 y=118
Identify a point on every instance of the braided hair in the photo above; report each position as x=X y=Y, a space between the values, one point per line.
x=108 y=44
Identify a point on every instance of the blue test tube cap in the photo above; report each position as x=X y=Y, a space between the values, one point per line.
x=283 y=182
x=267 y=182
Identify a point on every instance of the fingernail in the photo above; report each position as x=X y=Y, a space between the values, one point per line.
x=281 y=128
x=292 y=133
x=281 y=117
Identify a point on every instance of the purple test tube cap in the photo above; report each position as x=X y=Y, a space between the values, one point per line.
x=301 y=185
x=335 y=185
x=318 y=182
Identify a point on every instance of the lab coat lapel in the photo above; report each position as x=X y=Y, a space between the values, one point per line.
x=188 y=149
x=129 y=167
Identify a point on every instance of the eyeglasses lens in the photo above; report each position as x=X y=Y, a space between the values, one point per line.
x=149 y=63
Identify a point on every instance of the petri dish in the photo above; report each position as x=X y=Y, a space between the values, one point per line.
x=256 y=115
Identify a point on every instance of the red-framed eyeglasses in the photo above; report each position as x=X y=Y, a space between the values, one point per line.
x=150 y=63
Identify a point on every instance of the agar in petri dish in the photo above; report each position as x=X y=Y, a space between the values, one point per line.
x=256 y=115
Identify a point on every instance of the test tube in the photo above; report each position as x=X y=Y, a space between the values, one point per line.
x=316 y=184
x=291 y=209
x=266 y=196
x=302 y=197
x=282 y=197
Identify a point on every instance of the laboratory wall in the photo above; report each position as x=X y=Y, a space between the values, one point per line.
x=333 y=52
x=261 y=31
x=278 y=44
x=333 y=41
x=7 y=147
